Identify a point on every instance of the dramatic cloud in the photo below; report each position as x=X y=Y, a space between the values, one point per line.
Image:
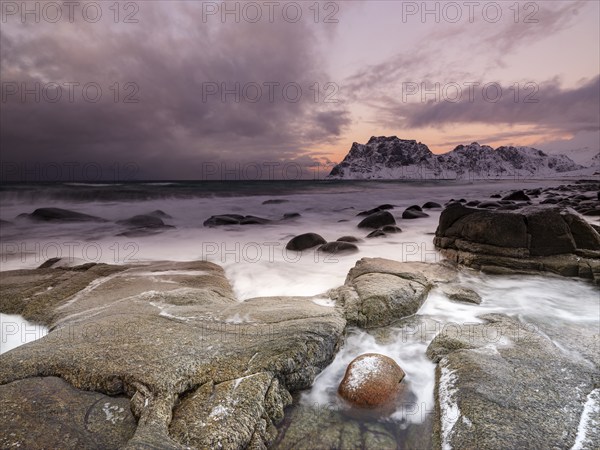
x=185 y=87
x=546 y=105
x=188 y=92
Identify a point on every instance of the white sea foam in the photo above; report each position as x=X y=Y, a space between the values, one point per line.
x=16 y=331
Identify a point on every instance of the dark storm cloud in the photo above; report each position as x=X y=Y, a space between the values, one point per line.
x=176 y=67
x=547 y=106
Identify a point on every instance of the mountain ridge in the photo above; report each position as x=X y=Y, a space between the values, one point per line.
x=389 y=157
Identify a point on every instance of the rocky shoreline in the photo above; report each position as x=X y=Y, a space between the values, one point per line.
x=163 y=355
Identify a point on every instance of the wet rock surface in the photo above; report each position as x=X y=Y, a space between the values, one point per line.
x=173 y=339
x=310 y=427
x=47 y=412
x=461 y=294
x=506 y=385
x=378 y=291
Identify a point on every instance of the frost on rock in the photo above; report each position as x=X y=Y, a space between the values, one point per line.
x=590 y=422
x=449 y=412
x=361 y=370
x=113 y=413
x=219 y=412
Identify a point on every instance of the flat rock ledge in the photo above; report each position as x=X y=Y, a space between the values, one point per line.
x=155 y=356
x=162 y=355
x=506 y=385
x=531 y=240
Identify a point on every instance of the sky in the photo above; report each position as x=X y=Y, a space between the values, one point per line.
x=192 y=89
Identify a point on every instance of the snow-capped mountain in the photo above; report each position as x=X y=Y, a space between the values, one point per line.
x=393 y=158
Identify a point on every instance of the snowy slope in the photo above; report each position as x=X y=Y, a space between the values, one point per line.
x=393 y=158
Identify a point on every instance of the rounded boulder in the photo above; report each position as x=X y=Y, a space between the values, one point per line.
x=371 y=381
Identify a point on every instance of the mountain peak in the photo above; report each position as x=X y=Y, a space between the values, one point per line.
x=389 y=157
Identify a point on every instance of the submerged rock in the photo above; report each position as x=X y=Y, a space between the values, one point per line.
x=60 y=215
x=349 y=239
x=234 y=219
x=377 y=220
x=305 y=241
x=338 y=248
x=160 y=213
x=327 y=426
x=518 y=196
x=276 y=201
x=371 y=380
x=489 y=205
x=253 y=220
x=377 y=209
x=413 y=214
x=143 y=225
x=376 y=234
x=223 y=219
x=391 y=229
x=144 y=221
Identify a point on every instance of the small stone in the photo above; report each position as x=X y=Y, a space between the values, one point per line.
x=461 y=294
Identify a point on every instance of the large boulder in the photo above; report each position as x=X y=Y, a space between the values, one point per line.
x=167 y=341
x=371 y=381
x=529 y=240
x=305 y=241
x=518 y=196
x=377 y=220
x=379 y=292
